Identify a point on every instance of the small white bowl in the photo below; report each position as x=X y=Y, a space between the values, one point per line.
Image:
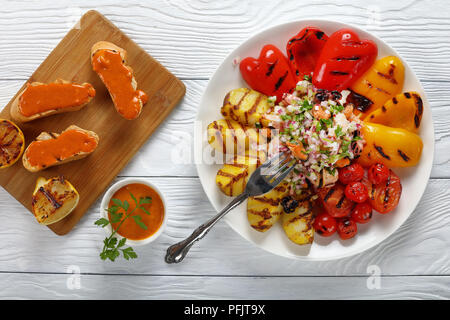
x=107 y=197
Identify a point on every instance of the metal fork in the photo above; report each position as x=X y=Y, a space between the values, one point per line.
x=263 y=179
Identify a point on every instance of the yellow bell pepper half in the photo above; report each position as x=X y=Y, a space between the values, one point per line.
x=393 y=147
x=403 y=111
x=380 y=83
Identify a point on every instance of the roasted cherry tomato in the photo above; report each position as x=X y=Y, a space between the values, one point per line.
x=351 y=173
x=270 y=73
x=384 y=197
x=378 y=173
x=343 y=59
x=335 y=202
x=304 y=50
x=356 y=191
x=325 y=225
x=362 y=213
x=346 y=228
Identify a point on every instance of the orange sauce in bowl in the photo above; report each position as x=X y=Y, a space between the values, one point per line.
x=129 y=228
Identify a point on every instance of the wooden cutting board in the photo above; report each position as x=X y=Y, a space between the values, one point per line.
x=120 y=139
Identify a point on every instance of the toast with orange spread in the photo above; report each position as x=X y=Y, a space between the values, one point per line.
x=39 y=100
x=110 y=63
x=52 y=149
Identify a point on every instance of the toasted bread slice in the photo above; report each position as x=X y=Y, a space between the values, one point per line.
x=110 y=63
x=52 y=149
x=53 y=199
x=39 y=100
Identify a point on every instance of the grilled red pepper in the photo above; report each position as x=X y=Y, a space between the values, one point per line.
x=344 y=58
x=270 y=73
x=304 y=50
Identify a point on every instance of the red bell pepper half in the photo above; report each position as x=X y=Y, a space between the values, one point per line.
x=343 y=60
x=304 y=50
x=270 y=73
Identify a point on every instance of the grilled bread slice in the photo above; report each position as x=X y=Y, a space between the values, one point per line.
x=265 y=210
x=110 y=63
x=39 y=100
x=51 y=149
x=53 y=199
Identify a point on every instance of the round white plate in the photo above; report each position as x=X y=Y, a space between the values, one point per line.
x=414 y=180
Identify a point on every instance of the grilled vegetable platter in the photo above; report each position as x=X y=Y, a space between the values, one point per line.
x=351 y=112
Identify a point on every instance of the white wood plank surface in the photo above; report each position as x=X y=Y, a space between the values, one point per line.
x=191 y=37
x=65 y=286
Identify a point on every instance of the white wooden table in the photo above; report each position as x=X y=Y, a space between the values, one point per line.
x=191 y=38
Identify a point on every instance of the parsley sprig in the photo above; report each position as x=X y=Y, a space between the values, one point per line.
x=111 y=245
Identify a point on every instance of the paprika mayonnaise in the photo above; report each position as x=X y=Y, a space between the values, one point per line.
x=109 y=62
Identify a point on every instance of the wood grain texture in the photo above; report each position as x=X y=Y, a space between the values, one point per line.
x=419 y=247
x=64 y=286
x=120 y=139
x=191 y=38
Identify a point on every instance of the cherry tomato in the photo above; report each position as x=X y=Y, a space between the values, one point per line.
x=325 y=225
x=346 y=228
x=362 y=213
x=378 y=173
x=356 y=191
x=335 y=202
x=384 y=197
x=351 y=173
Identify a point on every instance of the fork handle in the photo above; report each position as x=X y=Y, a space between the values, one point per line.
x=177 y=252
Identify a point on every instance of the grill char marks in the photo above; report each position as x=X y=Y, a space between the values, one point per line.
x=381 y=152
x=359 y=101
x=280 y=81
x=403 y=155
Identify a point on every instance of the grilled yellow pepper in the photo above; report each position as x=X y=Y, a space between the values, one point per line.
x=380 y=83
x=403 y=111
x=393 y=147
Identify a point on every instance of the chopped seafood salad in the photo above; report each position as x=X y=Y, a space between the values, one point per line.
x=320 y=130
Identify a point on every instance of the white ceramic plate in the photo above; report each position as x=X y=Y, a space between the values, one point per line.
x=414 y=180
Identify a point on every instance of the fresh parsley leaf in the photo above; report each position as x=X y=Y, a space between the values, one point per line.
x=126 y=205
x=134 y=198
x=338 y=131
x=102 y=222
x=145 y=200
x=139 y=222
x=145 y=210
x=122 y=242
x=307 y=77
x=116 y=217
x=117 y=202
x=128 y=253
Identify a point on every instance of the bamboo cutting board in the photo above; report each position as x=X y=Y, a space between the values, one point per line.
x=119 y=140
